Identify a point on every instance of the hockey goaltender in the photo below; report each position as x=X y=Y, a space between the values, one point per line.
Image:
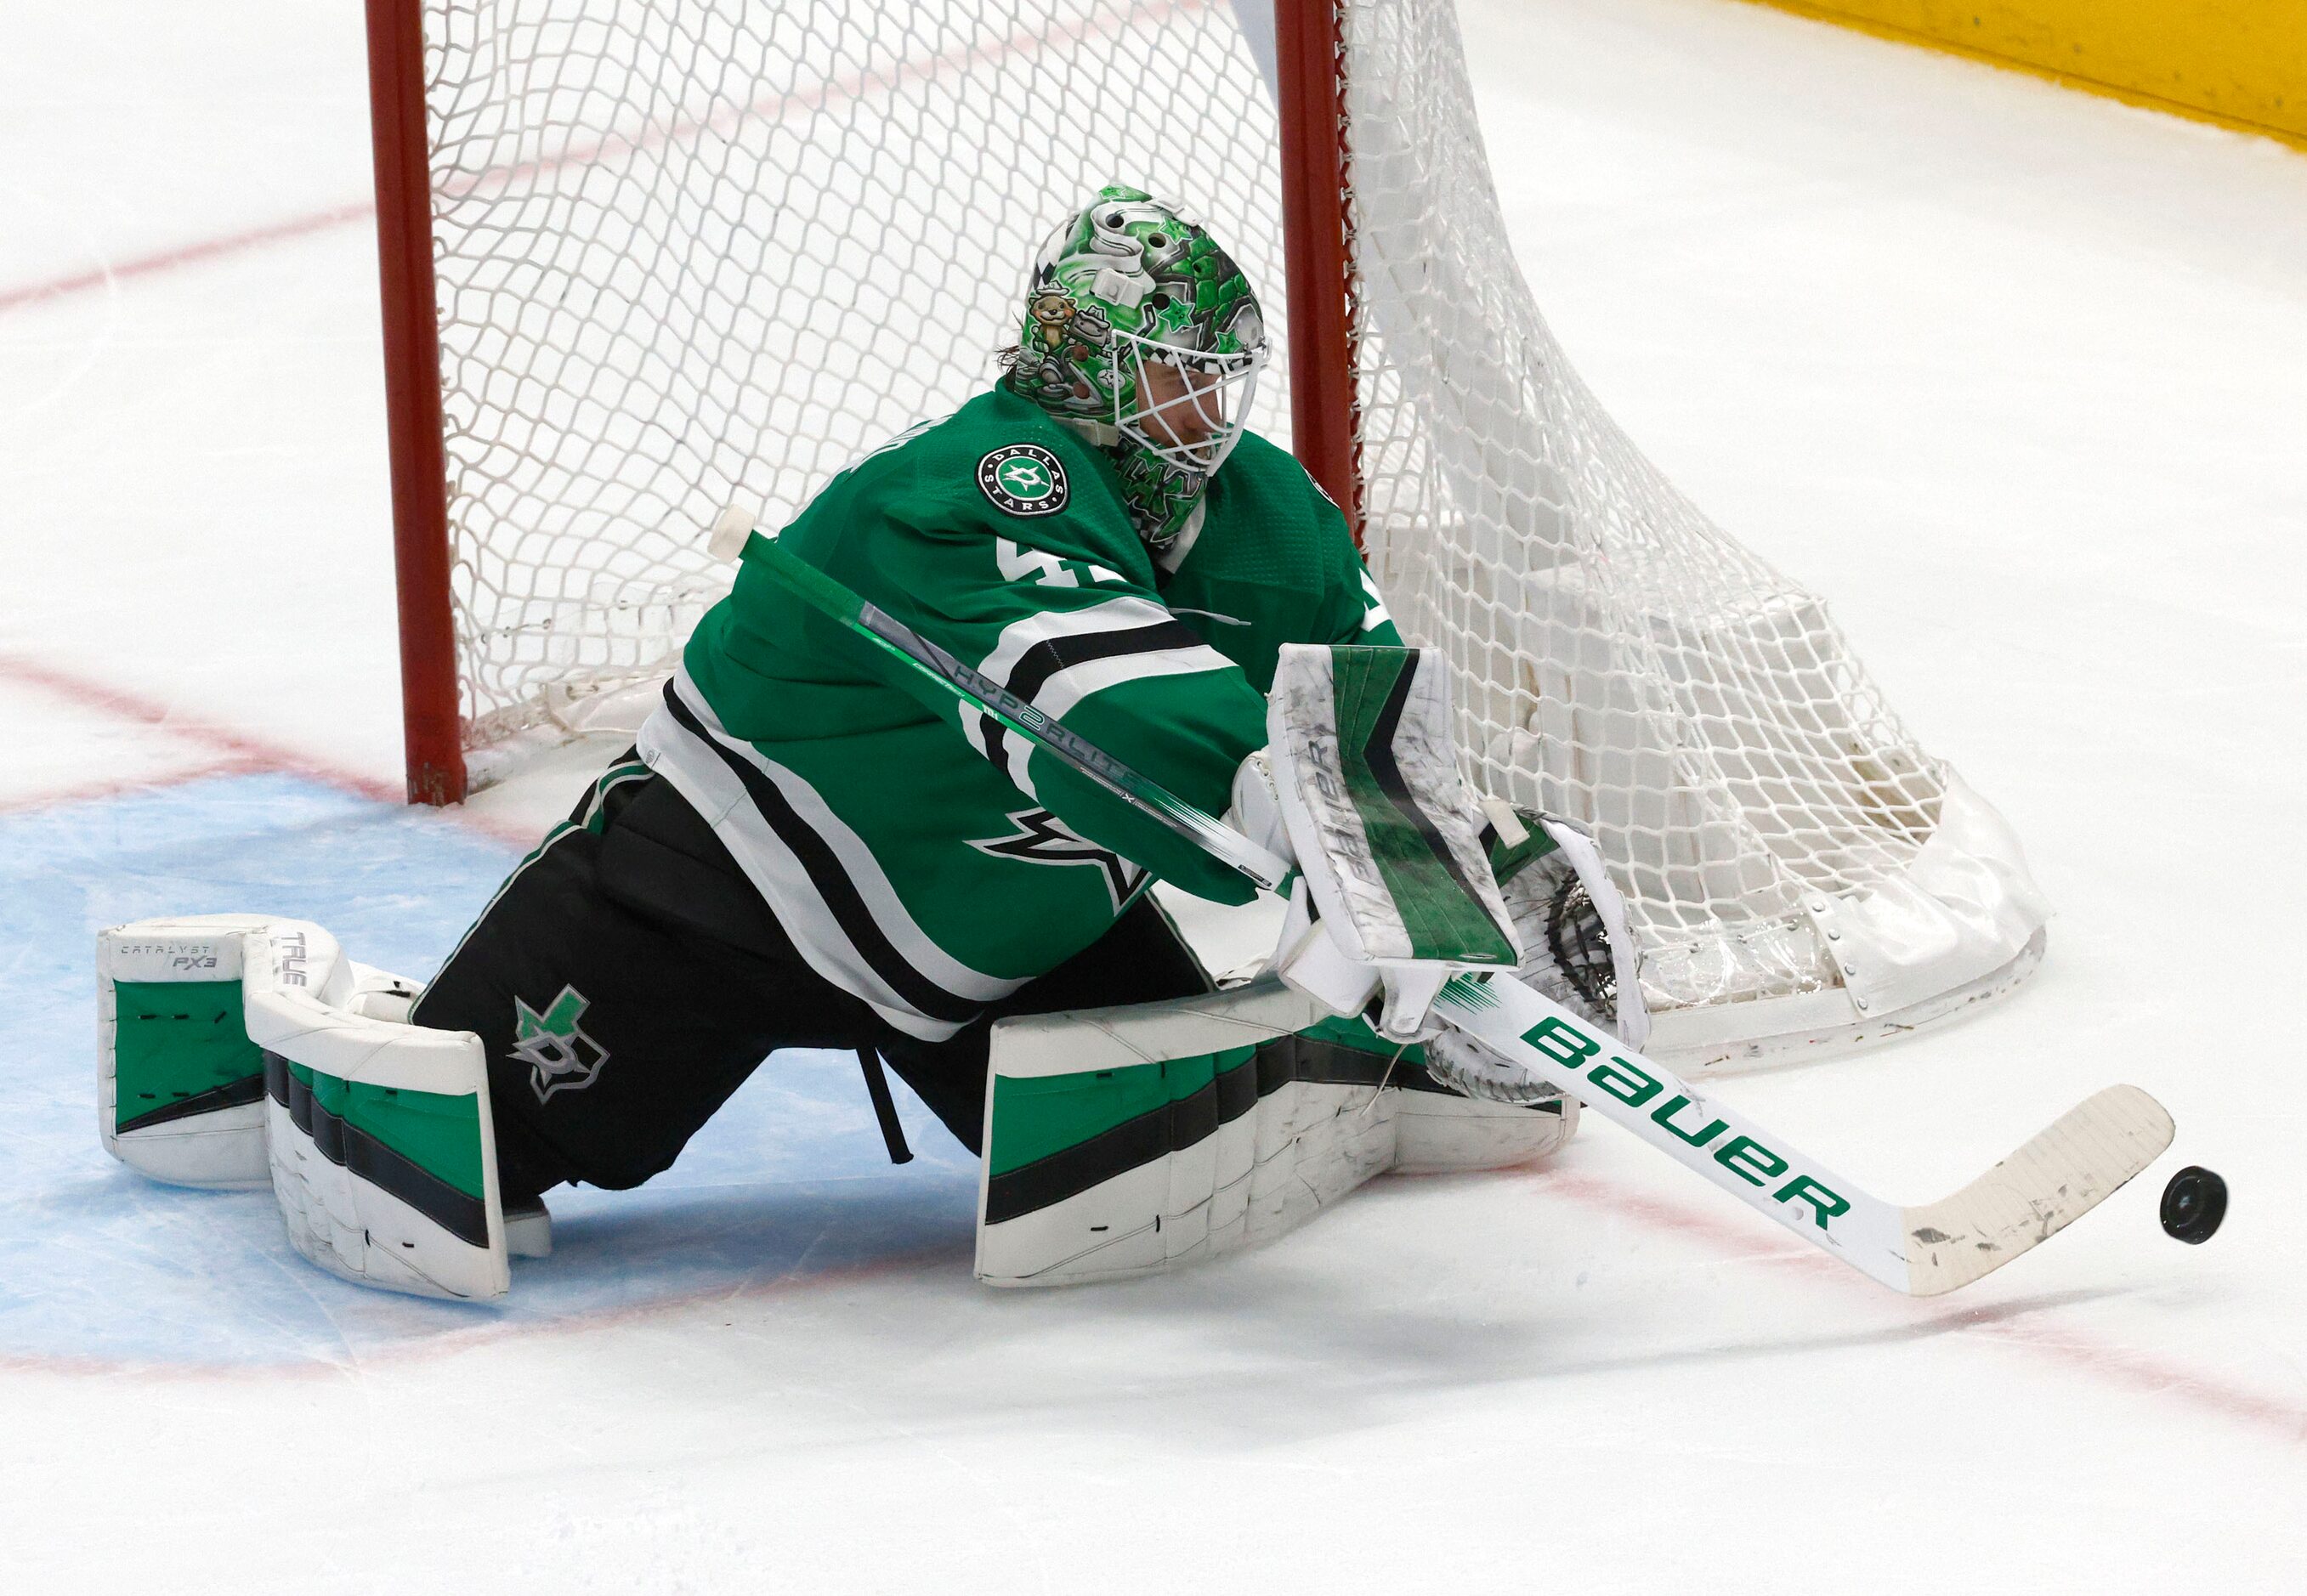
x=812 y=846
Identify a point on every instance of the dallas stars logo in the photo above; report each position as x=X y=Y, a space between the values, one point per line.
x=1042 y=839
x=560 y=1056
x=1024 y=480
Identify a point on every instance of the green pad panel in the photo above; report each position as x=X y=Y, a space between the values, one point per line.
x=1054 y=1136
x=424 y=1149
x=438 y=1132
x=180 y=1047
x=1438 y=907
x=1036 y=1116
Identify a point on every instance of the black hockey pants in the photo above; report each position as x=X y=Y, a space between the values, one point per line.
x=627 y=979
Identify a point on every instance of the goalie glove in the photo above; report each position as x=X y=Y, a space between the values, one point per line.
x=1577 y=948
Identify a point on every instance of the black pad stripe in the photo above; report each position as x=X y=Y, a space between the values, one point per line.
x=232 y=1094
x=1154 y=1134
x=1178 y=1125
x=350 y=1147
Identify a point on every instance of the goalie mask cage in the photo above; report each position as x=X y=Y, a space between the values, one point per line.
x=644 y=258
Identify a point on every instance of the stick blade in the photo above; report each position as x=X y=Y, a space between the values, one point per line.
x=2074 y=1165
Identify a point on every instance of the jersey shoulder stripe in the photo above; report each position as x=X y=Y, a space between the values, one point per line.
x=1096 y=674
x=1037 y=628
x=1055 y=658
x=1054 y=655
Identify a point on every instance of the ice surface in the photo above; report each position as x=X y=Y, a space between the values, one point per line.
x=2013 y=375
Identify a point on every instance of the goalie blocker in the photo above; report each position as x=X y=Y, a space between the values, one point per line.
x=1405 y=880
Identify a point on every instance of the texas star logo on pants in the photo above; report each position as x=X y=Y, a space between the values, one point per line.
x=560 y=1056
x=1024 y=479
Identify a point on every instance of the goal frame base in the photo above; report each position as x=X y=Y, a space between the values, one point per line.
x=1781 y=1032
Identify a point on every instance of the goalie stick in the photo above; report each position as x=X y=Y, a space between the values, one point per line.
x=2063 y=1173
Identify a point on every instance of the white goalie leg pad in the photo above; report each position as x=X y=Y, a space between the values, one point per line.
x=1091 y=1171
x=1138 y=1139
x=383 y=1155
x=179 y=1088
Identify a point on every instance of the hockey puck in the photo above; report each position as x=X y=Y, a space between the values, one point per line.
x=2193 y=1204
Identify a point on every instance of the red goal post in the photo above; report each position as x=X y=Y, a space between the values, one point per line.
x=431 y=719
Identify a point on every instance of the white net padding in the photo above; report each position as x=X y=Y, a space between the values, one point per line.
x=696 y=251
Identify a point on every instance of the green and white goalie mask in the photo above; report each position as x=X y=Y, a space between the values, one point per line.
x=1144 y=334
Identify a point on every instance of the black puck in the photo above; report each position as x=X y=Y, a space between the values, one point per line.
x=2193 y=1204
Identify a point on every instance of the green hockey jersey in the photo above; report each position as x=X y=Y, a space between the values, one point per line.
x=922 y=857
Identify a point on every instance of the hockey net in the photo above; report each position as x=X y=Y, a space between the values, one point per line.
x=691 y=251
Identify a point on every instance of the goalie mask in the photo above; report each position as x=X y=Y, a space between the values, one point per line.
x=1144 y=334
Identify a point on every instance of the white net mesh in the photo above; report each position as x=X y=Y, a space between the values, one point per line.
x=693 y=250
x=1620 y=658
x=696 y=251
